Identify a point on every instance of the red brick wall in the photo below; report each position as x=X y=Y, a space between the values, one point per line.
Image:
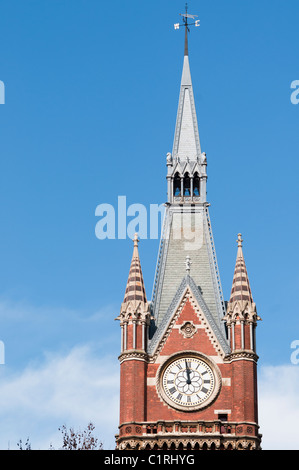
x=237 y=397
x=141 y=402
x=132 y=391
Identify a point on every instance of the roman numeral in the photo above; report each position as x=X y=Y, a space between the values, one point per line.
x=172 y=390
x=204 y=390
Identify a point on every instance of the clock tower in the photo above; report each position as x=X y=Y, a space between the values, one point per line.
x=188 y=361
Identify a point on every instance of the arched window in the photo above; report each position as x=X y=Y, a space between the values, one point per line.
x=177 y=185
x=187 y=185
x=196 y=188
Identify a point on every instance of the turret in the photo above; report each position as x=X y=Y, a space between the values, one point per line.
x=241 y=316
x=134 y=314
x=241 y=319
x=134 y=320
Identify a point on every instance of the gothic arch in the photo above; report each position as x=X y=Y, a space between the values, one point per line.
x=187 y=185
x=196 y=184
x=177 y=184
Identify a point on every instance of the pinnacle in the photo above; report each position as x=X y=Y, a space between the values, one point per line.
x=135 y=290
x=241 y=288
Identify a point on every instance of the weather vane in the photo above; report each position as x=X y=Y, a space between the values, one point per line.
x=185 y=17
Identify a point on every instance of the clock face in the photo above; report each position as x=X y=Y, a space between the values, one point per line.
x=188 y=382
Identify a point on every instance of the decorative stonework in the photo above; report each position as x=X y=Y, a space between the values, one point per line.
x=160 y=338
x=188 y=329
x=193 y=435
x=219 y=346
x=188 y=291
x=242 y=354
x=190 y=443
x=133 y=354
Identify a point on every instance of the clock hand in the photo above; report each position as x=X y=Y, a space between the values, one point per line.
x=188 y=373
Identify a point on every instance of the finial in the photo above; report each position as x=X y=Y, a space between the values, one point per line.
x=239 y=241
x=186 y=33
x=186 y=24
x=169 y=158
x=136 y=240
x=188 y=263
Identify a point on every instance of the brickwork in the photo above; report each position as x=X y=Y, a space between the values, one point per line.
x=132 y=391
x=188 y=359
x=141 y=402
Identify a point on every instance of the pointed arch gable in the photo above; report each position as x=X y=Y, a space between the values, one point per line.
x=189 y=293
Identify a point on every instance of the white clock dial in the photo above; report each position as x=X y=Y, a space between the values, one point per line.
x=188 y=382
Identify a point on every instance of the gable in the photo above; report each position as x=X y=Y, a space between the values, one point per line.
x=188 y=324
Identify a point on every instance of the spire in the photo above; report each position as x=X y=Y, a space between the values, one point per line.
x=135 y=291
x=186 y=139
x=187 y=212
x=241 y=288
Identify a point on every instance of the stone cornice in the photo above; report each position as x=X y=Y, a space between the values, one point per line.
x=133 y=354
x=241 y=354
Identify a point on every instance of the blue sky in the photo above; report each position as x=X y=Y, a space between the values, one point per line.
x=91 y=93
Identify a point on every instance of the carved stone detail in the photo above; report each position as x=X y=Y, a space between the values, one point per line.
x=179 y=443
x=192 y=435
x=241 y=354
x=188 y=329
x=133 y=354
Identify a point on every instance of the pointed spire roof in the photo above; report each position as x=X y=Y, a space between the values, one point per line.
x=135 y=290
x=186 y=143
x=241 y=288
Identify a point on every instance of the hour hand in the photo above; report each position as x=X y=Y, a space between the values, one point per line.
x=188 y=374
